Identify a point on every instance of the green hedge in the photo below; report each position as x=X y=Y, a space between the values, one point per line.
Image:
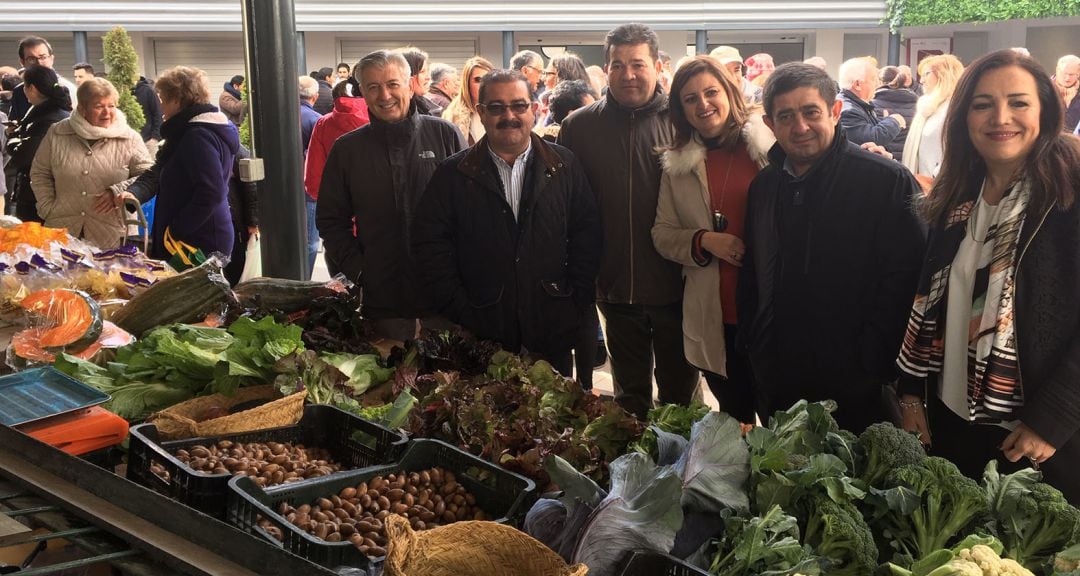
x=930 y=12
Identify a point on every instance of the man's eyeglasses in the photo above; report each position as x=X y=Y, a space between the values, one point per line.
x=498 y=108
x=36 y=59
x=532 y=67
x=547 y=73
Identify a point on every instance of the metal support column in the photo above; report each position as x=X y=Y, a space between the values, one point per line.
x=80 y=49
x=270 y=52
x=301 y=54
x=509 y=47
x=701 y=42
x=894 y=49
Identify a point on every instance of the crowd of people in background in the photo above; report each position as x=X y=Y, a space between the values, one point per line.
x=905 y=242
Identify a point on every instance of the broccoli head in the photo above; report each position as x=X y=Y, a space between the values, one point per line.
x=1043 y=525
x=947 y=502
x=884 y=448
x=838 y=533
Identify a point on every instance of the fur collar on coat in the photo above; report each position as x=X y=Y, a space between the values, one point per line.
x=755 y=134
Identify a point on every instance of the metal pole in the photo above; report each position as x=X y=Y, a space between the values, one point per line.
x=509 y=47
x=301 y=54
x=701 y=40
x=80 y=48
x=894 y=49
x=270 y=51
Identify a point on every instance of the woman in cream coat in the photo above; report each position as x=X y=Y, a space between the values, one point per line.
x=924 y=146
x=718 y=150
x=85 y=164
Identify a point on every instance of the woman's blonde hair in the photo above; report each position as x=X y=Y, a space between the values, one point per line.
x=93 y=89
x=185 y=85
x=948 y=70
x=466 y=71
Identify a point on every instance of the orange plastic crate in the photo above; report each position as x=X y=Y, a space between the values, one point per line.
x=79 y=432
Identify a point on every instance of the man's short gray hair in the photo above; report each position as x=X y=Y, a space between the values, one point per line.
x=440 y=71
x=525 y=58
x=1067 y=60
x=309 y=87
x=380 y=59
x=854 y=70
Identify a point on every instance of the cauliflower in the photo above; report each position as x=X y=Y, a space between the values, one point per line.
x=981 y=560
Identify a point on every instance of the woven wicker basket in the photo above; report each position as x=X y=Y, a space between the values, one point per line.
x=179 y=422
x=468 y=549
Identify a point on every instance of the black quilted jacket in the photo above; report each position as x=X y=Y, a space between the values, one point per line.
x=524 y=282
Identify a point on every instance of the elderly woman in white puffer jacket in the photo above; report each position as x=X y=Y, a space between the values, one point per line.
x=85 y=164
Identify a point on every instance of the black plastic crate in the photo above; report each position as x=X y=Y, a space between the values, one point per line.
x=352 y=441
x=499 y=493
x=650 y=563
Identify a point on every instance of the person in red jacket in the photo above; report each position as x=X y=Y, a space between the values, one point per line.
x=350 y=112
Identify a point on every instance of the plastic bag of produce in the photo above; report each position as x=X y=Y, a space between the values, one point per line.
x=469 y=548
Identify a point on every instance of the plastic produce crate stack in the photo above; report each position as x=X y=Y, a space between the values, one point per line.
x=352 y=441
x=498 y=492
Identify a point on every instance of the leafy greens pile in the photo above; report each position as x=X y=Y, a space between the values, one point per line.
x=336 y=379
x=179 y=362
x=516 y=414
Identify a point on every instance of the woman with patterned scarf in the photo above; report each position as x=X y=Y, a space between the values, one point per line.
x=991 y=358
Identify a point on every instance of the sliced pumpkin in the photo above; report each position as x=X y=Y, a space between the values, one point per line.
x=71 y=318
x=27 y=343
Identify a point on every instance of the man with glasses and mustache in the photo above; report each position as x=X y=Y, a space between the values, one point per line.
x=508 y=234
x=374 y=176
x=34 y=50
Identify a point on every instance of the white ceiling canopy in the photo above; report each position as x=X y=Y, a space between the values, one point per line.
x=447 y=15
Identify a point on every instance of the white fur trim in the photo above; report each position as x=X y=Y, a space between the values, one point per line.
x=755 y=134
x=211 y=118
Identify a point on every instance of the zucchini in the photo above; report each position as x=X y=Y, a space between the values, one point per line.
x=185 y=298
x=282 y=295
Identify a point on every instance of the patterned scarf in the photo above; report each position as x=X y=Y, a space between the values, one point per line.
x=994 y=389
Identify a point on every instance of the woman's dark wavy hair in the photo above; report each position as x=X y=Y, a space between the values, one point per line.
x=47 y=82
x=1053 y=166
x=684 y=132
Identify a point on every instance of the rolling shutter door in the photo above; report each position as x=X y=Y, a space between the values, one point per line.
x=452 y=52
x=220 y=59
x=63 y=47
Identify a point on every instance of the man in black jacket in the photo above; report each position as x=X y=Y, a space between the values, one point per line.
x=617 y=139
x=833 y=257
x=508 y=234
x=858 y=80
x=325 y=104
x=374 y=176
x=151 y=107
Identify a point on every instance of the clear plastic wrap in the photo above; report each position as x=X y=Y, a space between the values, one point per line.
x=62 y=320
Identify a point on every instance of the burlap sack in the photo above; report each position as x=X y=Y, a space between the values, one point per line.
x=470 y=549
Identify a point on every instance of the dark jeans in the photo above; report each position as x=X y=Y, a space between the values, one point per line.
x=735 y=394
x=238 y=259
x=635 y=333
x=971 y=446
x=585 y=348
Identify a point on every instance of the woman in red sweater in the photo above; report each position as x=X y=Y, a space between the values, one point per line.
x=719 y=148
